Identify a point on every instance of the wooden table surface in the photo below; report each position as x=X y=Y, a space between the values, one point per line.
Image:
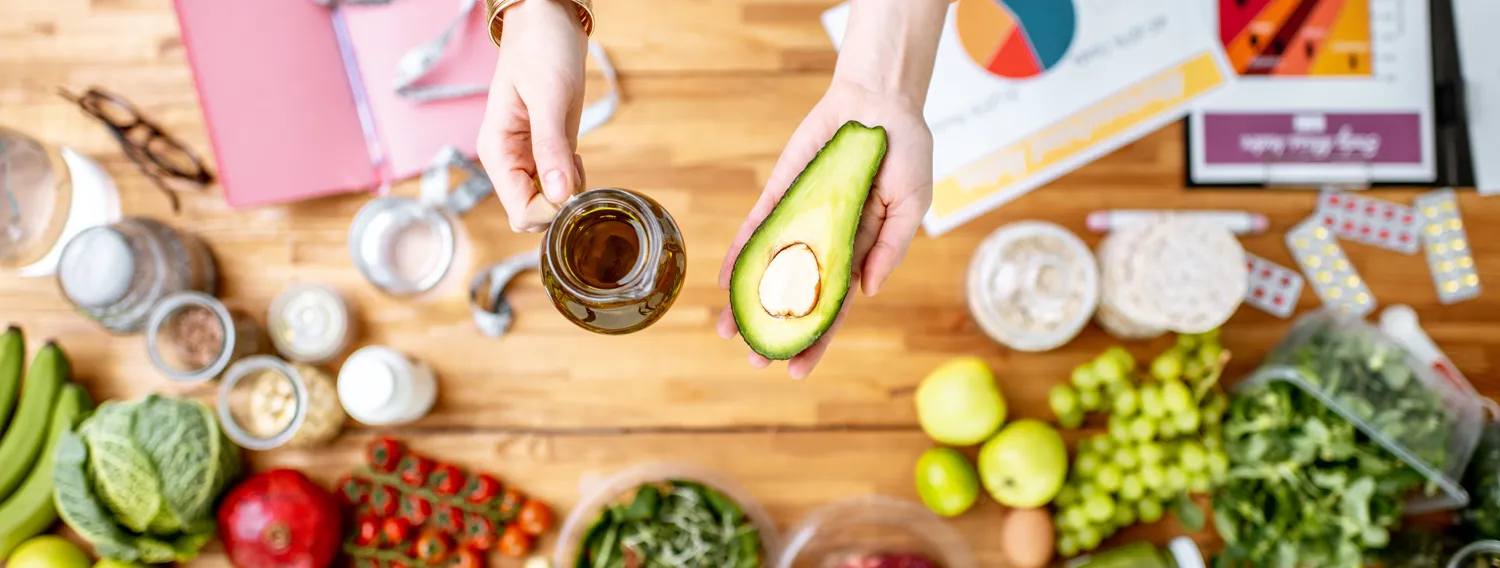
x=712 y=89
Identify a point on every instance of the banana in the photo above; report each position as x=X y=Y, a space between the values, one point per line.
x=24 y=438
x=12 y=358
x=30 y=511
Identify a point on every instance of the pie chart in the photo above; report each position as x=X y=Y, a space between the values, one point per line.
x=1016 y=39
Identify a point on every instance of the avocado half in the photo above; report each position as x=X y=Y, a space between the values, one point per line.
x=791 y=278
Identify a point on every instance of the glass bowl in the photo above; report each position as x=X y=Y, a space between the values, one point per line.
x=873 y=524
x=600 y=494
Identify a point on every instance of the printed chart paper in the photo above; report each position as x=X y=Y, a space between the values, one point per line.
x=1478 y=44
x=1024 y=91
x=1330 y=91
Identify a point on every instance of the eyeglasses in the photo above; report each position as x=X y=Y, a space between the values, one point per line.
x=160 y=156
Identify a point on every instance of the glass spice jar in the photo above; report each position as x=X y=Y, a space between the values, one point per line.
x=613 y=261
x=193 y=337
x=266 y=402
x=115 y=274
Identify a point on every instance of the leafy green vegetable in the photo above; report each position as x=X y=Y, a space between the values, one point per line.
x=1481 y=518
x=1187 y=512
x=675 y=524
x=138 y=479
x=1305 y=487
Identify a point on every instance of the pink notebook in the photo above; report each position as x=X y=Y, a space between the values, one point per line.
x=300 y=99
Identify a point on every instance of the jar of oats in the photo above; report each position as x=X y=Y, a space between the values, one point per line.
x=266 y=402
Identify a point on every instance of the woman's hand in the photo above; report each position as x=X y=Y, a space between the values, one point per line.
x=530 y=128
x=881 y=80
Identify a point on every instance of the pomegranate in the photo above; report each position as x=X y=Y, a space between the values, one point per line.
x=280 y=519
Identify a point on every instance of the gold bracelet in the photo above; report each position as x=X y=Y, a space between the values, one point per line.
x=492 y=9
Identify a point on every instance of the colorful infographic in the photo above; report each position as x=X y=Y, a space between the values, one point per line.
x=1016 y=39
x=1297 y=37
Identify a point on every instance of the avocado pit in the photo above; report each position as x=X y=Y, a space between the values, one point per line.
x=792 y=282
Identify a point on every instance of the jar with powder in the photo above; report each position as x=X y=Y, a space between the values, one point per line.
x=266 y=402
x=193 y=337
x=1032 y=285
x=115 y=274
x=309 y=323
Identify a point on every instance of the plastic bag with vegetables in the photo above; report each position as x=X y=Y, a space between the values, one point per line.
x=139 y=479
x=1481 y=517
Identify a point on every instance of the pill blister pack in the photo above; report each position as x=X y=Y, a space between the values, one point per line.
x=1449 y=257
x=1375 y=222
x=1273 y=288
x=1327 y=268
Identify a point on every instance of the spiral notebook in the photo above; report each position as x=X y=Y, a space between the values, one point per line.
x=300 y=99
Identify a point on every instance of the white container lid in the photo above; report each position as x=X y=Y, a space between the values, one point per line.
x=309 y=323
x=368 y=384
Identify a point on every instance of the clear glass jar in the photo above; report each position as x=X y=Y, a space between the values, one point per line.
x=873 y=525
x=1477 y=553
x=193 y=337
x=115 y=274
x=47 y=195
x=613 y=261
x=266 y=402
x=1181 y=552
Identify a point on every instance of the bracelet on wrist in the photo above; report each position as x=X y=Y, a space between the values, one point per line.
x=492 y=9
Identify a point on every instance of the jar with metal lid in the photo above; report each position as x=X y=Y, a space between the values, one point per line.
x=266 y=402
x=193 y=337
x=309 y=323
x=613 y=261
x=116 y=274
x=48 y=194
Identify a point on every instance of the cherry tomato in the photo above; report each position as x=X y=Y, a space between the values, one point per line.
x=446 y=480
x=395 y=531
x=384 y=454
x=384 y=501
x=368 y=532
x=416 y=509
x=398 y=564
x=449 y=519
x=414 y=470
x=481 y=489
x=479 y=532
x=536 y=518
x=433 y=547
x=510 y=504
x=515 y=543
x=353 y=491
x=467 y=558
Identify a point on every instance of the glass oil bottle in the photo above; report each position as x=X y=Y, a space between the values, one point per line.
x=613 y=261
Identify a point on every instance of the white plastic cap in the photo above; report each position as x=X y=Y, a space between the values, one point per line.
x=1185 y=552
x=366 y=385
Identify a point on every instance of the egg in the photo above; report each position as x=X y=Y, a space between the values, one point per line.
x=1026 y=537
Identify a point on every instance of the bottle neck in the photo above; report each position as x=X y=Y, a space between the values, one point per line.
x=640 y=281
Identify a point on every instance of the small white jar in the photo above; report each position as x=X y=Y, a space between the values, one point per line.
x=379 y=386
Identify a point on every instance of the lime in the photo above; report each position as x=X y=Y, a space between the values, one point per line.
x=48 y=551
x=946 y=481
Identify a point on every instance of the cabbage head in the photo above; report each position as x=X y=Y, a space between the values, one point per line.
x=139 y=479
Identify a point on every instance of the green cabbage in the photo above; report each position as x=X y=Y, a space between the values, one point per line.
x=140 y=478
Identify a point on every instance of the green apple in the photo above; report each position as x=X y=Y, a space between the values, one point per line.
x=946 y=481
x=958 y=403
x=112 y=563
x=1024 y=465
x=48 y=551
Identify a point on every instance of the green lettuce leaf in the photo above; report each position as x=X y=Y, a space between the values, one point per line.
x=182 y=441
x=80 y=508
x=123 y=475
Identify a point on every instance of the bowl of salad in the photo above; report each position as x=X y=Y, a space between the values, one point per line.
x=667 y=514
x=875 y=532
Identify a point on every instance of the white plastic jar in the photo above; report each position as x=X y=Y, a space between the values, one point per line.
x=380 y=386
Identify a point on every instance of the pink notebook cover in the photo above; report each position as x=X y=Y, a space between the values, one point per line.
x=282 y=107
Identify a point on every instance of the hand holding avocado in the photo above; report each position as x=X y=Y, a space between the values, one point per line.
x=846 y=197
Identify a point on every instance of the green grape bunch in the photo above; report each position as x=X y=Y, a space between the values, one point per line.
x=1161 y=442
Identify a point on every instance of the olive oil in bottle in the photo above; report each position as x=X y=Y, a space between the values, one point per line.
x=613 y=261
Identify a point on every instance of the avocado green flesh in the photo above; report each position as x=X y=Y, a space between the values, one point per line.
x=821 y=209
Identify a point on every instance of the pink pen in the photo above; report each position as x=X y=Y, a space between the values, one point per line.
x=1237 y=222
